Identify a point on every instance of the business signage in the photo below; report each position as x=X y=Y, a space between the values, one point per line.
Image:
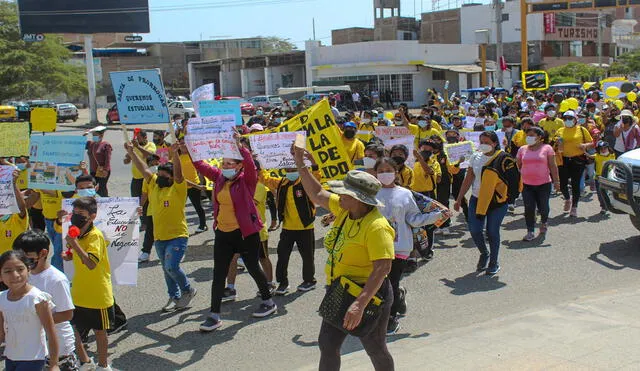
x=133 y=38
x=549 y=23
x=574 y=34
x=579 y=5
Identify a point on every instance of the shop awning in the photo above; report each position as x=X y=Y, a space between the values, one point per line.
x=461 y=68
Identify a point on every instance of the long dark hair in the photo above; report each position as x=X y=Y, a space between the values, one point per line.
x=493 y=137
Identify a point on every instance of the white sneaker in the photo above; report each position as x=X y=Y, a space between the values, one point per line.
x=108 y=368
x=185 y=299
x=143 y=258
x=89 y=366
x=445 y=231
x=171 y=305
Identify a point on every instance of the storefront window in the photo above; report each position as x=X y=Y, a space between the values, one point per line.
x=575 y=48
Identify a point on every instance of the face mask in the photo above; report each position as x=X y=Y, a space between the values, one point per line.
x=96 y=138
x=163 y=182
x=89 y=192
x=551 y=113
x=605 y=153
x=426 y=154
x=259 y=113
x=512 y=114
x=386 y=178
x=399 y=122
x=447 y=112
x=78 y=220
x=369 y=162
x=399 y=160
x=508 y=130
x=485 y=148
x=293 y=176
x=456 y=112
x=153 y=169
x=349 y=134
x=278 y=120
x=21 y=166
x=569 y=123
x=366 y=121
x=157 y=142
x=4 y=218
x=422 y=123
x=229 y=173
x=582 y=121
x=452 y=140
x=531 y=140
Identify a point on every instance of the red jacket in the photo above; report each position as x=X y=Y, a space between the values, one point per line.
x=242 y=190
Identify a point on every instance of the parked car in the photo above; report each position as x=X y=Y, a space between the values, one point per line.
x=620 y=186
x=183 y=107
x=312 y=99
x=247 y=108
x=22 y=110
x=8 y=113
x=267 y=102
x=112 y=115
x=67 y=111
x=41 y=103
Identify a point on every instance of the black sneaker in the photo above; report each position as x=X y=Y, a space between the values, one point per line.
x=426 y=254
x=272 y=289
x=483 y=262
x=402 y=307
x=393 y=326
x=265 y=310
x=492 y=271
x=229 y=295
x=210 y=324
x=306 y=286
x=282 y=290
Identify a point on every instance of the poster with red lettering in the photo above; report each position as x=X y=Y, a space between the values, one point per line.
x=549 y=23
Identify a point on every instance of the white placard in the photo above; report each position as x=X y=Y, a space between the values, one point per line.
x=474 y=136
x=211 y=124
x=470 y=122
x=206 y=145
x=118 y=220
x=458 y=150
x=274 y=150
x=407 y=141
x=203 y=93
x=8 y=203
x=386 y=133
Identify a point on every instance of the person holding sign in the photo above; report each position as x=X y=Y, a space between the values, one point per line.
x=143 y=148
x=11 y=225
x=237 y=225
x=99 y=159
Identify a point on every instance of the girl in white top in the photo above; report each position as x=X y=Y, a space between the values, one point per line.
x=25 y=318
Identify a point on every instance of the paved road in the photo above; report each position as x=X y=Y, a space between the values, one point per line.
x=580 y=256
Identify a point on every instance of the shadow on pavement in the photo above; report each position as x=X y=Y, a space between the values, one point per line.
x=473 y=282
x=619 y=254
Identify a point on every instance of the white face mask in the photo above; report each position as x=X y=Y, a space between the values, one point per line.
x=531 y=140
x=386 y=178
x=399 y=122
x=153 y=169
x=508 y=130
x=369 y=162
x=485 y=148
x=605 y=153
x=551 y=114
x=366 y=121
x=569 y=123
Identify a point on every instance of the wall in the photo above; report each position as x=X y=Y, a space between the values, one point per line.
x=295 y=76
x=476 y=17
x=254 y=82
x=351 y=35
x=441 y=27
x=230 y=83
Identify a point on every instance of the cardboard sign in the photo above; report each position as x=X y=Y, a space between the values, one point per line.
x=274 y=150
x=203 y=93
x=204 y=146
x=140 y=97
x=212 y=124
x=8 y=203
x=44 y=119
x=458 y=150
x=229 y=109
x=407 y=141
x=15 y=139
x=55 y=161
x=386 y=133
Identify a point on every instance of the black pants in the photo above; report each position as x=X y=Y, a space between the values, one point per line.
x=536 y=196
x=271 y=204
x=37 y=219
x=103 y=190
x=136 y=187
x=305 y=240
x=147 y=244
x=571 y=171
x=331 y=338
x=456 y=185
x=194 y=195
x=225 y=246
x=443 y=195
x=397 y=269
x=430 y=228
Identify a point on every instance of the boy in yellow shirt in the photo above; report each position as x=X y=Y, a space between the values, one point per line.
x=399 y=153
x=11 y=225
x=603 y=154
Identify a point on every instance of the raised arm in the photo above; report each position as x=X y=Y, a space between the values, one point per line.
x=22 y=205
x=137 y=161
x=177 y=165
x=311 y=185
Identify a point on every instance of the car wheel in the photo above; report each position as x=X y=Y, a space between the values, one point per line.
x=187 y=115
x=75 y=119
x=635 y=220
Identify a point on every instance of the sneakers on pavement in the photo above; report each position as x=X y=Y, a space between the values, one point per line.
x=229 y=294
x=393 y=326
x=306 y=286
x=492 y=271
x=282 y=290
x=202 y=229
x=171 y=305
x=603 y=211
x=186 y=298
x=108 y=368
x=210 y=324
x=483 y=262
x=272 y=289
x=573 y=212
x=529 y=237
x=511 y=208
x=567 y=205
x=265 y=310
x=88 y=366
x=143 y=257
x=402 y=307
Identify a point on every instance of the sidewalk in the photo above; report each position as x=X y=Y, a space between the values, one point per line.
x=598 y=332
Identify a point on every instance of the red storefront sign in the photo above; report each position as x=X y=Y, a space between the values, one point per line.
x=549 y=23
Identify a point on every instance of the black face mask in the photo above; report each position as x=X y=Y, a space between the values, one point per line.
x=349 y=134
x=452 y=140
x=426 y=154
x=157 y=142
x=163 y=182
x=78 y=220
x=399 y=160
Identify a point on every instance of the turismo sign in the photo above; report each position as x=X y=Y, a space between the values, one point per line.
x=576 y=33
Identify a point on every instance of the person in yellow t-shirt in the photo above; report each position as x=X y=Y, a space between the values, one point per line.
x=550 y=124
x=167 y=199
x=11 y=225
x=194 y=188
x=399 y=153
x=572 y=141
x=361 y=249
x=143 y=148
x=602 y=155
x=426 y=130
x=353 y=146
x=367 y=126
x=426 y=171
x=91 y=288
x=152 y=162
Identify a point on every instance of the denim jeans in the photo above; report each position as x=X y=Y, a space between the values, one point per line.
x=24 y=365
x=56 y=239
x=492 y=220
x=536 y=196
x=170 y=253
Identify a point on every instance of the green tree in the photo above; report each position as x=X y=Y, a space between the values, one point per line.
x=32 y=70
x=574 y=72
x=274 y=44
x=626 y=63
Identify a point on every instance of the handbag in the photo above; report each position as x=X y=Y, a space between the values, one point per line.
x=100 y=171
x=583 y=159
x=339 y=297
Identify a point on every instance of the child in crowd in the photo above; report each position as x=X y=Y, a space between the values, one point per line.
x=602 y=155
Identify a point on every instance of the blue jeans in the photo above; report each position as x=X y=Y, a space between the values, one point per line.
x=170 y=253
x=493 y=220
x=56 y=239
x=24 y=365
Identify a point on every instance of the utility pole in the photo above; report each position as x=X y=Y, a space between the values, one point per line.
x=599 y=40
x=91 y=78
x=498 y=9
x=314 y=28
x=524 y=50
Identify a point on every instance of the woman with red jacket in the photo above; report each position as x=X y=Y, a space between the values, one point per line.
x=237 y=225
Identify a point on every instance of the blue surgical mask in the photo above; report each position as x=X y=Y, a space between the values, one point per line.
x=229 y=173
x=581 y=121
x=422 y=123
x=21 y=166
x=293 y=176
x=89 y=192
x=259 y=113
x=569 y=123
x=153 y=169
x=96 y=138
x=4 y=218
x=278 y=120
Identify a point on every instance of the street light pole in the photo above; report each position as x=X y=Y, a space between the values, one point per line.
x=524 y=52
x=499 y=73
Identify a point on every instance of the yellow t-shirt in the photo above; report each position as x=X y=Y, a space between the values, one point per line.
x=354 y=148
x=23 y=181
x=145 y=189
x=227 y=221
x=551 y=126
x=366 y=131
x=292 y=220
x=260 y=199
x=423 y=182
x=135 y=173
x=51 y=204
x=519 y=138
x=10 y=229
x=405 y=176
x=188 y=170
x=91 y=288
x=572 y=138
x=168 y=205
x=600 y=160
x=359 y=243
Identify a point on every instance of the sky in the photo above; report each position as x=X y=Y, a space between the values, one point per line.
x=194 y=20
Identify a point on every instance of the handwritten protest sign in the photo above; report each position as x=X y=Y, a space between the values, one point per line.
x=386 y=133
x=163 y=153
x=274 y=150
x=55 y=161
x=212 y=124
x=229 y=109
x=140 y=97
x=203 y=93
x=474 y=136
x=407 y=141
x=458 y=150
x=8 y=204
x=118 y=221
x=15 y=139
x=324 y=139
x=204 y=146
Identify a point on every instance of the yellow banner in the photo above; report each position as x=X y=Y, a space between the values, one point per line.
x=44 y=119
x=15 y=139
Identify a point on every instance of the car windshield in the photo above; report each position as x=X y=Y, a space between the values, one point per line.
x=187 y=104
x=68 y=105
x=275 y=99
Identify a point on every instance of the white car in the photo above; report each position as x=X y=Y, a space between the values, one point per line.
x=66 y=111
x=181 y=107
x=620 y=186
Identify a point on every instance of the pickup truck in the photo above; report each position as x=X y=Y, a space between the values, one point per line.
x=620 y=186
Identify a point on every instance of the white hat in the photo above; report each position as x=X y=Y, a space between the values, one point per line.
x=569 y=114
x=256 y=127
x=625 y=112
x=97 y=129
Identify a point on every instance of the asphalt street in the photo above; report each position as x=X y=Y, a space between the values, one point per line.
x=580 y=256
